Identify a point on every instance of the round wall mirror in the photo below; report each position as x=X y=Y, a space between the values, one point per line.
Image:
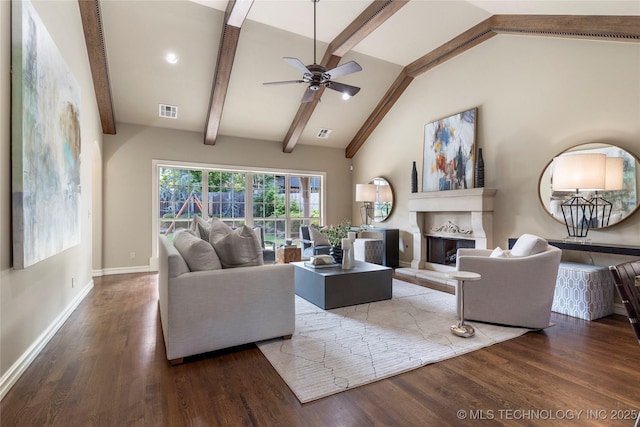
x=621 y=188
x=383 y=205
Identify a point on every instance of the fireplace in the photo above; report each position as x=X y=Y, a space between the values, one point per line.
x=464 y=217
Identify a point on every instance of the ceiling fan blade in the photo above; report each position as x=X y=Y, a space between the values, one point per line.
x=344 y=69
x=296 y=63
x=308 y=96
x=285 y=82
x=343 y=88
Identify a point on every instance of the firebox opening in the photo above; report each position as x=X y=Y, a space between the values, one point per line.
x=442 y=250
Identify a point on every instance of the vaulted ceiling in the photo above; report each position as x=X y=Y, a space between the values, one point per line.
x=226 y=50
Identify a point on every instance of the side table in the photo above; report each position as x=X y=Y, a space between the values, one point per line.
x=462 y=329
x=287 y=254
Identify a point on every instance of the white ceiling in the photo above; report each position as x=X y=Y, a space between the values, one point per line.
x=138 y=34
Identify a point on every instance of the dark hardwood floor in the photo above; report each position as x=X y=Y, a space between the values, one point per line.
x=107 y=367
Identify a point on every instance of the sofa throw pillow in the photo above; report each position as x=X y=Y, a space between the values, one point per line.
x=318 y=238
x=201 y=227
x=528 y=244
x=176 y=263
x=218 y=230
x=198 y=254
x=239 y=248
x=498 y=252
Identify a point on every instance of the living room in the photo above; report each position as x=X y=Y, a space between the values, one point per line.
x=536 y=97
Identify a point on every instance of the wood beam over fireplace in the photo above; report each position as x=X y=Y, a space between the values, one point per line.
x=612 y=28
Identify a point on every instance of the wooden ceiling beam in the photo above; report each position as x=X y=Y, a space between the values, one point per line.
x=235 y=14
x=454 y=47
x=370 y=19
x=388 y=100
x=367 y=22
x=224 y=65
x=304 y=113
x=472 y=37
x=617 y=28
x=94 y=39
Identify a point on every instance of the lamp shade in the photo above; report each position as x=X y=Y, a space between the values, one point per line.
x=579 y=172
x=365 y=193
x=614 y=179
x=385 y=194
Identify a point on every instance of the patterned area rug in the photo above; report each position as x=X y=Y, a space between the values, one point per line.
x=336 y=350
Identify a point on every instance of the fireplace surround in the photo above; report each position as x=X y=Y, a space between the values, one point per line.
x=465 y=214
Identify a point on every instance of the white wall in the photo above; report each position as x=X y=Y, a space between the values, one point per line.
x=35 y=300
x=536 y=97
x=128 y=157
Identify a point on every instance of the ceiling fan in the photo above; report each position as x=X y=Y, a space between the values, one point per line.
x=318 y=76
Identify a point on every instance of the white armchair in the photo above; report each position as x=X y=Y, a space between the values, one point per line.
x=514 y=290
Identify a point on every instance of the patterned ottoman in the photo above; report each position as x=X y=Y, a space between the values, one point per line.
x=368 y=250
x=584 y=291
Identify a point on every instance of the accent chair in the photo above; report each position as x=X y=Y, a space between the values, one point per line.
x=309 y=246
x=268 y=247
x=516 y=287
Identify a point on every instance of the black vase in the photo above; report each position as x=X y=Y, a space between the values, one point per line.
x=414 y=179
x=480 y=170
x=336 y=253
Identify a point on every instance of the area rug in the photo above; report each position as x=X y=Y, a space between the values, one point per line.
x=336 y=350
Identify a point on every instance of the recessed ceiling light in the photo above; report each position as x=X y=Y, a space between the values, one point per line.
x=171 y=58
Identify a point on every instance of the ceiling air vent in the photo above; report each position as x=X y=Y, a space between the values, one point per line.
x=168 y=111
x=323 y=133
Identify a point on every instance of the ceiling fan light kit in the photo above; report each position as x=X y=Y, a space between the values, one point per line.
x=318 y=76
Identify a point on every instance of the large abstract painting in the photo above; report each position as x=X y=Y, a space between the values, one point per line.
x=45 y=143
x=449 y=152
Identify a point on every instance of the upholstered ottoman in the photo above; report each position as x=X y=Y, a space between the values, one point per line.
x=368 y=250
x=584 y=291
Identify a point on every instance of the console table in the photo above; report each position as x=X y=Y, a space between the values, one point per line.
x=390 y=243
x=591 y=247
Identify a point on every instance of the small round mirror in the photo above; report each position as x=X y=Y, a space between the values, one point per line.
x=383 y=205
x=622 y=195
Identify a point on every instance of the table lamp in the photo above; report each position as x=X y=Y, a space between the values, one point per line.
x=614 y=168
x=578 y=172
x=366 y=193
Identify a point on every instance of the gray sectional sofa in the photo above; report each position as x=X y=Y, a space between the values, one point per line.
x=203 y=311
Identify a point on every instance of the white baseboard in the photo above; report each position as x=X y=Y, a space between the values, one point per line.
x=122 y=270
x=17 y=369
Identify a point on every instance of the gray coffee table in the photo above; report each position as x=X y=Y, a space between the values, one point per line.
x=334 y=287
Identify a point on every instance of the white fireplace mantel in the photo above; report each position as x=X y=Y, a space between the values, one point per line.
x=470 y=209
x=470 y=200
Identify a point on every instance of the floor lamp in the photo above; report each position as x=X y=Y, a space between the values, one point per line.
x=366 y=193
x=579 y=172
